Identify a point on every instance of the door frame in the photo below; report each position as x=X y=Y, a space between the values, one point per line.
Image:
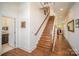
x=11 y=18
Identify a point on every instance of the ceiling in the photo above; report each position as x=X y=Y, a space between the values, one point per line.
x=61 y=8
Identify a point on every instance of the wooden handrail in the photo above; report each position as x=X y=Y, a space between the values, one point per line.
x=42 y=24
x=54 y=38
x=41 y=4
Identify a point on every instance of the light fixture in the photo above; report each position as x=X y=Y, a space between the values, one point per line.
x=61 y=9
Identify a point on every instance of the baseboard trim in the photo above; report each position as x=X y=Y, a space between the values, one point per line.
x=74 y=49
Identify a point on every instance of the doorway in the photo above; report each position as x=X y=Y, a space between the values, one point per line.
x=8 y=33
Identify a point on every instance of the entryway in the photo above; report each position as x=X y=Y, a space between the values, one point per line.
x=8 y=36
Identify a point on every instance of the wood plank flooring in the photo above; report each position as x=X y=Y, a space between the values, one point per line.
x=62 y=47
x=16 y=52
x=44 y=47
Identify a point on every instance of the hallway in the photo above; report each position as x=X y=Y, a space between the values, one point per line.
x=44 y=46
x=62 y=47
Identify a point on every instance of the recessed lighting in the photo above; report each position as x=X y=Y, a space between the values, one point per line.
x=61 y=9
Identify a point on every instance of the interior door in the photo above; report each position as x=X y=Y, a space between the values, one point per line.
x=0 y=35
x=12 y=32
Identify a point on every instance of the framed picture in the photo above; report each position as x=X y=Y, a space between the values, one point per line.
x=23 y=24
x=70 y=26
x=77 y=23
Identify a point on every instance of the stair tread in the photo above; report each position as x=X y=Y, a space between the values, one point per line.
x=45 y=45
x=46 y=37
x=45 y=42
x=44 y=49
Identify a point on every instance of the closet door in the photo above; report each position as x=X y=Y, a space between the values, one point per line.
x=12 y=32
x=0 y=35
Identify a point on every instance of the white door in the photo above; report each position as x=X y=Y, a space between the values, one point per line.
x=0 y=35
x=12 y=32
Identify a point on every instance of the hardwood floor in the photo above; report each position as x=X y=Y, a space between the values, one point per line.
x=62 y=47
x=44 y=47
x=16 y=52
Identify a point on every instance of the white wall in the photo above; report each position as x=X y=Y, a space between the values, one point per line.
x=24 y=33
x=73 y=37
x=9 y=9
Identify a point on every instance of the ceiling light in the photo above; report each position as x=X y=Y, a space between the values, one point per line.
x=61 y=9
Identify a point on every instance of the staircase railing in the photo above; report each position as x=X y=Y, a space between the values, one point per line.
x=54 y=36
x=42 y=22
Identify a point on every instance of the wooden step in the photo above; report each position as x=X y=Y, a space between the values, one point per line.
x=45 y=45
x=47 y=32
x=47 y=35
x=45 y=38
x=48 y=42
x=45 y=49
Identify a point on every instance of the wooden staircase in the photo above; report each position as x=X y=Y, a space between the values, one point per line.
x=44 y=45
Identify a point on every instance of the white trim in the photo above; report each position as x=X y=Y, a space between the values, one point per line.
x=54 y=33
x=74 y=49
